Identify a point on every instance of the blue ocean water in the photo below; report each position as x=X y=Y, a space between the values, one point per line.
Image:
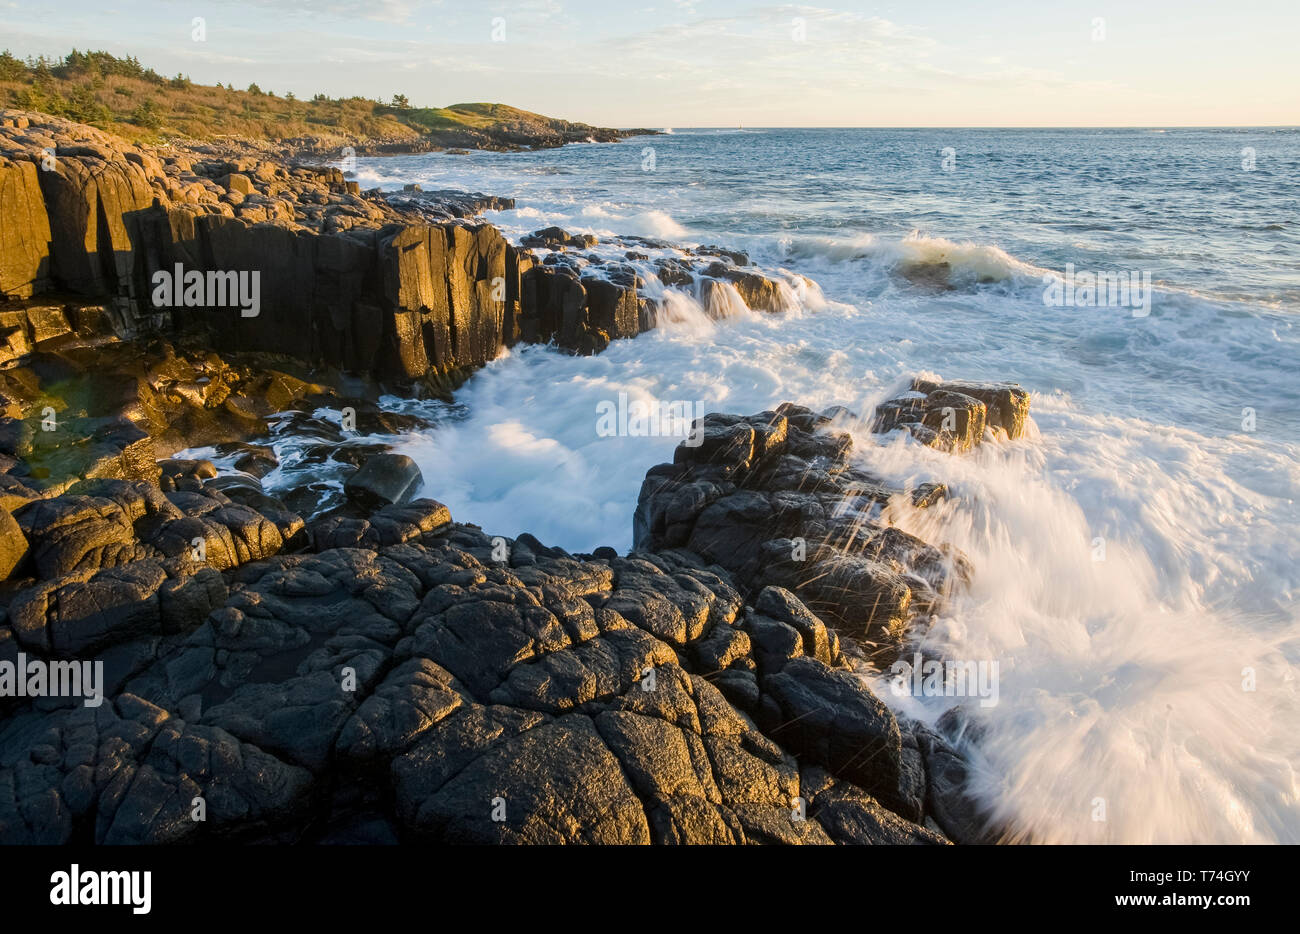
x=1205 y=209
x=1135 y=556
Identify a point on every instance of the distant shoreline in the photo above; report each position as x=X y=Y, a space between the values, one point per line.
x=128 y=99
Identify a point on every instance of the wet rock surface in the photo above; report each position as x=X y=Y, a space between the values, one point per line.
x=956 y=416
x=384 y=479
x=775 y=499
x=79 y=409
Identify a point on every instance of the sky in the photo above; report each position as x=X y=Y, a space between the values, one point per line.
x=681 y=63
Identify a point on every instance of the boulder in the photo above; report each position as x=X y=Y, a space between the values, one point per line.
x=384 y=479
x=760 y=292
x=391 y=525
x=239 y=183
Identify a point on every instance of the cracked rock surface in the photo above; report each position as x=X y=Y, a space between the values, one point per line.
x=404 y=686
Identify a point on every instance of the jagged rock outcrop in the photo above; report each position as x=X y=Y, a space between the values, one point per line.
x=955 y=416
x=451 y=287
x=774 y=499
x=341 y=280
x=580 y=312
x=251 y=255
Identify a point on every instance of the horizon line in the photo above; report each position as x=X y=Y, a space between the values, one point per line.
x=954 y=126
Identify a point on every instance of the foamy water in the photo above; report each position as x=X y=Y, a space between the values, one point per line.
x=1134 y=556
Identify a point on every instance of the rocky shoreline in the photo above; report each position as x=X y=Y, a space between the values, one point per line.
x=518 y=138
x=368 y=669
x=411 y=290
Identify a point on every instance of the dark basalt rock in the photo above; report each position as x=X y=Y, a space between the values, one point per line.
x=735 y=256
x=445 y=204
x=72 y=533
x=819 y=642
x=384 y=479
x=391 y=525
x=187 y=475
x=408 y=290
x=542 y=699
x=954 y=416
x=947 y=802
x=78 y=614
x=557 y=238
x=851 y=816
x=257 y=460
x=829 y=718
x=1007 y=403
x=774 y=500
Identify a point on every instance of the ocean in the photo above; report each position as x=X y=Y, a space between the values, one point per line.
x=1135 y=555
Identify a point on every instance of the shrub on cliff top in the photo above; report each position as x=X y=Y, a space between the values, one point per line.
x=11 y=69
x=106 y=91
x=146 y=115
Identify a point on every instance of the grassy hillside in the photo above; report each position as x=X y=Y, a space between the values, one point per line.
x=126 y=98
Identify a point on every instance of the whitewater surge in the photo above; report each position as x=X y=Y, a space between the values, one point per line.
x=1140 y=681
x=1134 y=555
x=1121 y=677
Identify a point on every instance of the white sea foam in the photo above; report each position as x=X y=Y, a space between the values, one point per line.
x=1121 y=679
x=954 y=264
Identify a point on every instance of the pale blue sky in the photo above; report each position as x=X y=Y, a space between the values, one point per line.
x=725 y=62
